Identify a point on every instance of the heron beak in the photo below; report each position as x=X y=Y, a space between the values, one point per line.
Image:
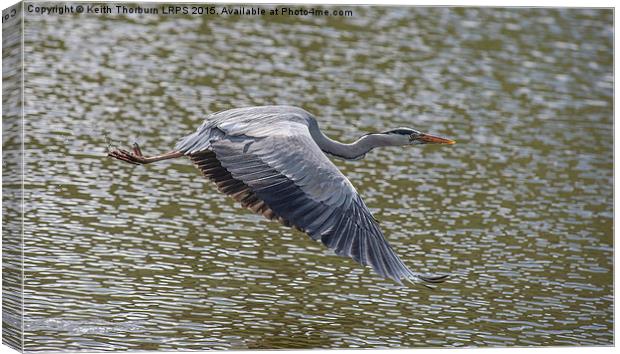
x=431 y=139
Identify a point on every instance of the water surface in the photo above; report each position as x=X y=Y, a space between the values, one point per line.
x=519 y=211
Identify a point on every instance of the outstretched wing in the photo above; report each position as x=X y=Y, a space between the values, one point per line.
x=285 y=176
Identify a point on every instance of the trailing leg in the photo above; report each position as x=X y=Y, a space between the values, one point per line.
x=137 y=158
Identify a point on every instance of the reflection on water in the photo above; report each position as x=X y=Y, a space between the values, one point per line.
x=153 y=257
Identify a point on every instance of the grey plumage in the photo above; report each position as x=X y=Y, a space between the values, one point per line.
x=272 y=160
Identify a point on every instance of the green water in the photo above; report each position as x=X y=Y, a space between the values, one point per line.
x=519 y=211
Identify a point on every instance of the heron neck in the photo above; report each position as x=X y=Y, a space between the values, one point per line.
x=352 y=151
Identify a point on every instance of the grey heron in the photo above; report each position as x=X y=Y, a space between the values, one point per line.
x=273 y=160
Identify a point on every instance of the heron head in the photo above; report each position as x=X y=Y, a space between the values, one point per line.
x=408 y=136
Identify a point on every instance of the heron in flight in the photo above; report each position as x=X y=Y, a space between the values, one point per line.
x=274 y=161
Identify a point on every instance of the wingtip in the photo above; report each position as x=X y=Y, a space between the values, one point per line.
x=426 y=280
x=433 y=279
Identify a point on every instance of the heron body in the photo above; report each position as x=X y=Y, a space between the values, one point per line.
x=274 y=161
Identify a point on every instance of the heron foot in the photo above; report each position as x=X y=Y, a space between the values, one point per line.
x=136 y=150
x=134 y=157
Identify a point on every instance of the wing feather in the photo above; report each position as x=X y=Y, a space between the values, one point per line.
x=279 y=171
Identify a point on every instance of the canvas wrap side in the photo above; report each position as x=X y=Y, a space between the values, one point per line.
x=12 y=177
